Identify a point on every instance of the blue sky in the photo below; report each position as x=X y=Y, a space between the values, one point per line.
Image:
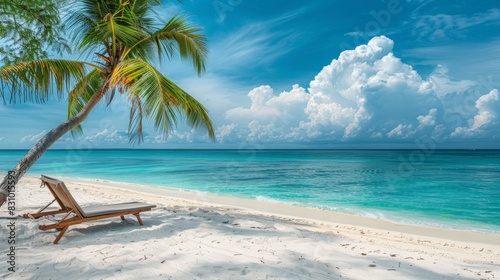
x=318 y=74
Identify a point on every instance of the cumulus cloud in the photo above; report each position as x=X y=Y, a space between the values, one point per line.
x=271 y=116
x=488 y=107
x=401 y=131
x=224 y=130
x=429 y=119
x=363 y=90
x=366 y=93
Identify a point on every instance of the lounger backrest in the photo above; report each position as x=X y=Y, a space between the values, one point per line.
x=63 y=196
x=44 y=181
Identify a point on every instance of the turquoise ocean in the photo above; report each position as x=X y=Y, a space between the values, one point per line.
x=456 y=189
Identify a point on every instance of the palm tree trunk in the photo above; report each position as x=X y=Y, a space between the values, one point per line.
x=44 y=144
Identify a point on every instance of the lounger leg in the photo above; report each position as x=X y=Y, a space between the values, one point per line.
x=61 y=234
x=123 y=218
x=138 y=218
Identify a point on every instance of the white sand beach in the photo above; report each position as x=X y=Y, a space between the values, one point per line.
x=196 y=236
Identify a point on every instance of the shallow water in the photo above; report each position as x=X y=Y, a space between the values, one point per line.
x=451 y=189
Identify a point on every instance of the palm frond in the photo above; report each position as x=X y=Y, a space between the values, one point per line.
x=35 y=81
x=114 y=23
x=135 y=120
x=177 y=37
x=81 y=94
x=160 y=99
x=81 y=21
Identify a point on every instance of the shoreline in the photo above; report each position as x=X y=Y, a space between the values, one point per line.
x=294 y=211
x=197 y=236
x=358 y=184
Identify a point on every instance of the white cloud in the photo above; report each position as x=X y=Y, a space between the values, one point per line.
x=255 y=44
x=472 y=59
x=104 y=136
x=174 y=136
x=443 y=85
x=443 y=25
x=367 y=93
x=488 y=107
x=401 y=131
x=107 y=137
x=429 y=119
x=271 y=116
x=224 y=130
x=33 y=138
x=362 y=89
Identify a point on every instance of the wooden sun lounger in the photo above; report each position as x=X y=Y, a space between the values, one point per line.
x=82 y=214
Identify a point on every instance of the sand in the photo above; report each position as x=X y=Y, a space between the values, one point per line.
x=197 y=236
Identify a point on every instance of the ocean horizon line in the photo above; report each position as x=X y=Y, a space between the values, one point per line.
x=255 y=149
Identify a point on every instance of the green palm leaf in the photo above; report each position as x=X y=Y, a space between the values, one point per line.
x=176 y=37
x=160 y=99
x=81 y=94
x=135 y=120
x=35 y=81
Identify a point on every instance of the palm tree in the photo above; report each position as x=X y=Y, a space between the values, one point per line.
x=126 y=37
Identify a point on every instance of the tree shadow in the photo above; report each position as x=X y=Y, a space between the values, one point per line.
x=203 y=243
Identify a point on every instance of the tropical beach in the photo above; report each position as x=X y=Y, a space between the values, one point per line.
x=193 y=236
x=240 y=139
